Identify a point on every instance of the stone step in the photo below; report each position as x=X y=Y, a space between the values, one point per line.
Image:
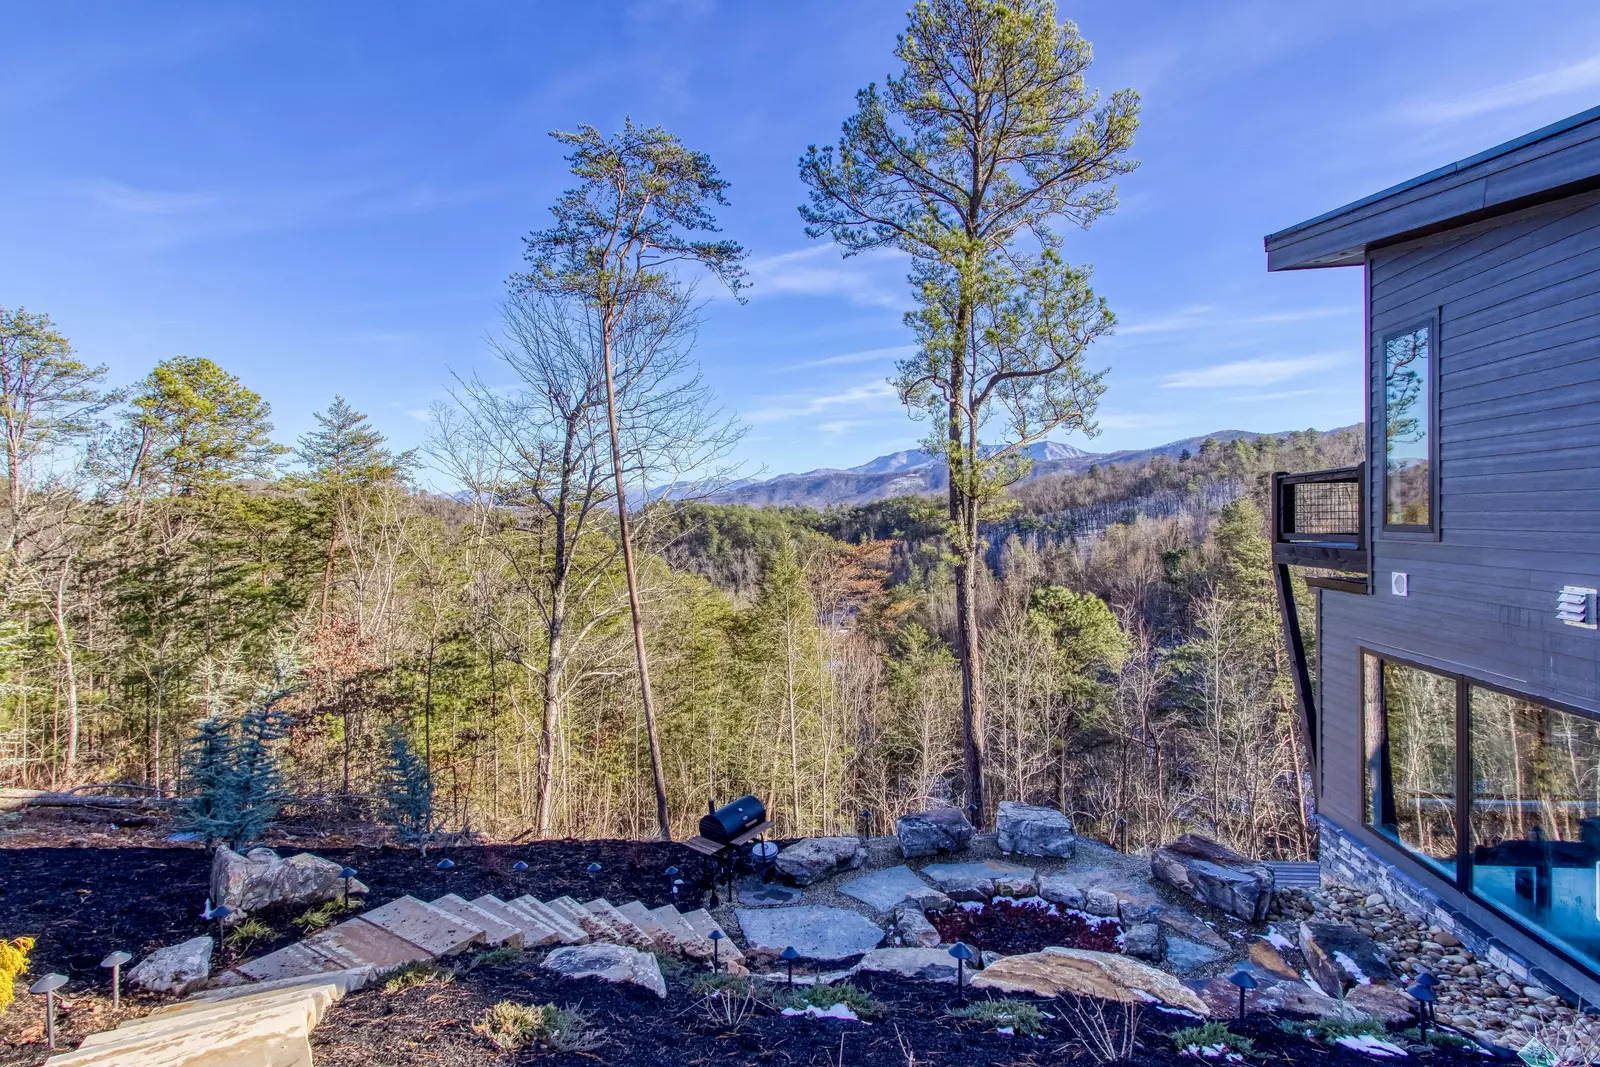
x=638 y=913
x=295 y=961
x=496 y=931
x=679 y=930
x=571 y=933
x=432 y=929
x=321 y=995
x=701 y=922
x=535 y=934
x=594 y=925
x=312 y=1000
x=274 y=1036
x=342 y=983
x=631 y=933
x=358 y=943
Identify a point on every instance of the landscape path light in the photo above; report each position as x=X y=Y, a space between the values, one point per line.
x=789 y=955
x=46 y=987
x=1246 y=982
x=1425 y=998
x=444 y=867
x=347 y=873
x=221 y=913
x=962 y=953
x=716 y=945
x=115 y=962
x=593 y=868
x=673 y=880
x=520 y=866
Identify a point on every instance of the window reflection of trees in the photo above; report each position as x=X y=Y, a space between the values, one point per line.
x=1406 y=424
x=1413 y=798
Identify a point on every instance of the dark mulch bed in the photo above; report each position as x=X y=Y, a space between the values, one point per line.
x=1009 y=929
x=432 y=1025
x=82 y=903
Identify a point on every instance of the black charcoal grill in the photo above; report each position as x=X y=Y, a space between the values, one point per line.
x=724 y=824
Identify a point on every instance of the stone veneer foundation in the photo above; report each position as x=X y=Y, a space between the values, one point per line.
x=1346 y=861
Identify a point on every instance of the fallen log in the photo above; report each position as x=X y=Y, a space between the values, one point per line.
x=17 y=799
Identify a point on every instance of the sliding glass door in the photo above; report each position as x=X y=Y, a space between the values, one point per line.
x=1512 y=814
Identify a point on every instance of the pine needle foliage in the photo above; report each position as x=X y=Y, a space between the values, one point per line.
x=408 y=791
x=235 y=783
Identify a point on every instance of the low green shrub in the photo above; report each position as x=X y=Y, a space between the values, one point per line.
x=496 y=956
x=247 y=933
x=322 y=915
x=1438 y=1038
x=719 y=981
x=825 y=995
x=1213 y=1035
x=415 y=974
x=1019 y=1016
x=509 y=1025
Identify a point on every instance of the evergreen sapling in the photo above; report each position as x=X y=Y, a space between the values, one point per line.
x=408 y=791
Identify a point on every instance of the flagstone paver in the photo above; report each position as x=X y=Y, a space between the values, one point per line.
x=887 y=888
x=816 y=932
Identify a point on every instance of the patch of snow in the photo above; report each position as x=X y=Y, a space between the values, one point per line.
x=838 y=1011
x=1005 y=1030
x=1277 y=940
x=1184 y=1012
x=1305 y=976
x=1351 y=968
x=971 y=905
x=1372 y=1046
x=1236 y=933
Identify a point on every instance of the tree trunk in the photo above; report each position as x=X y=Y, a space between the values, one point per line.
x=67 y=665
x=554 y=675
x=794 y=727
x=625 y=536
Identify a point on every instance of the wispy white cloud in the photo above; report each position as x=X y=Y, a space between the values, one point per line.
x=1252 y=372
x=1208 y=317
x=867 y=394
x=873 y=279
x=177 y=216
x=1574 y=77
x=866 y=355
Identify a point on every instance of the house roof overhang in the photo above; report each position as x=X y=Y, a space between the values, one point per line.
x=1560 y=160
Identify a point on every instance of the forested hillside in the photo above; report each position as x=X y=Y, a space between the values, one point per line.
x=167 y=558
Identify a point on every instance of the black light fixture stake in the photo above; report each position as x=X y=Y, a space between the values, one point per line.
x=47 y=987
x=1246 y=982
x=716 y=954
x=221 y=914
x=115 y=962
x=347 y=873
x=672 y=880
x=789 y=955
x=962 y=953
x=1427 y=1004
x=444 y=867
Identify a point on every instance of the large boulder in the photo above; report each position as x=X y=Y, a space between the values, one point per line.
x=914 y=928
x=815 y=858
x=1215 y=874
x=931 y=832
x=1058 y=972
x=1341 y=957
x=923 y=964
x=260 y=879
x=815 y=932
x=1034 y=831
x=1272 y=998
x=982 y=880
x=613 y=963
x=175 y=969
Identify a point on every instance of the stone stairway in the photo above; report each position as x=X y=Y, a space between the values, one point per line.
x=261 y=1012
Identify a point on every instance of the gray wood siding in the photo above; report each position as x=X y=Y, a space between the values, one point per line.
x=1518 y=300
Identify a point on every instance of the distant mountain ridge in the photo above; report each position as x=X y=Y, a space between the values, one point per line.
x=913 y=471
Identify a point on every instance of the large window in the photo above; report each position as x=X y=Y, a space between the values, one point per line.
x=1536 y=816
x=1411 y=759
x=1408 y=431
x=1522 y=830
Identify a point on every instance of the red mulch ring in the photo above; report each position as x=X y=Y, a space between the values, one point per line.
x=1011 y=928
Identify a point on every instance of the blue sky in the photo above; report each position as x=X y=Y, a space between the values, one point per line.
x=327 y=198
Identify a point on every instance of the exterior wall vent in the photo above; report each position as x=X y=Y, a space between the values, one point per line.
x=1575 y=606
x=1399 y=583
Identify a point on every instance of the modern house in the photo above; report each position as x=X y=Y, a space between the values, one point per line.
x=1452 y=695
